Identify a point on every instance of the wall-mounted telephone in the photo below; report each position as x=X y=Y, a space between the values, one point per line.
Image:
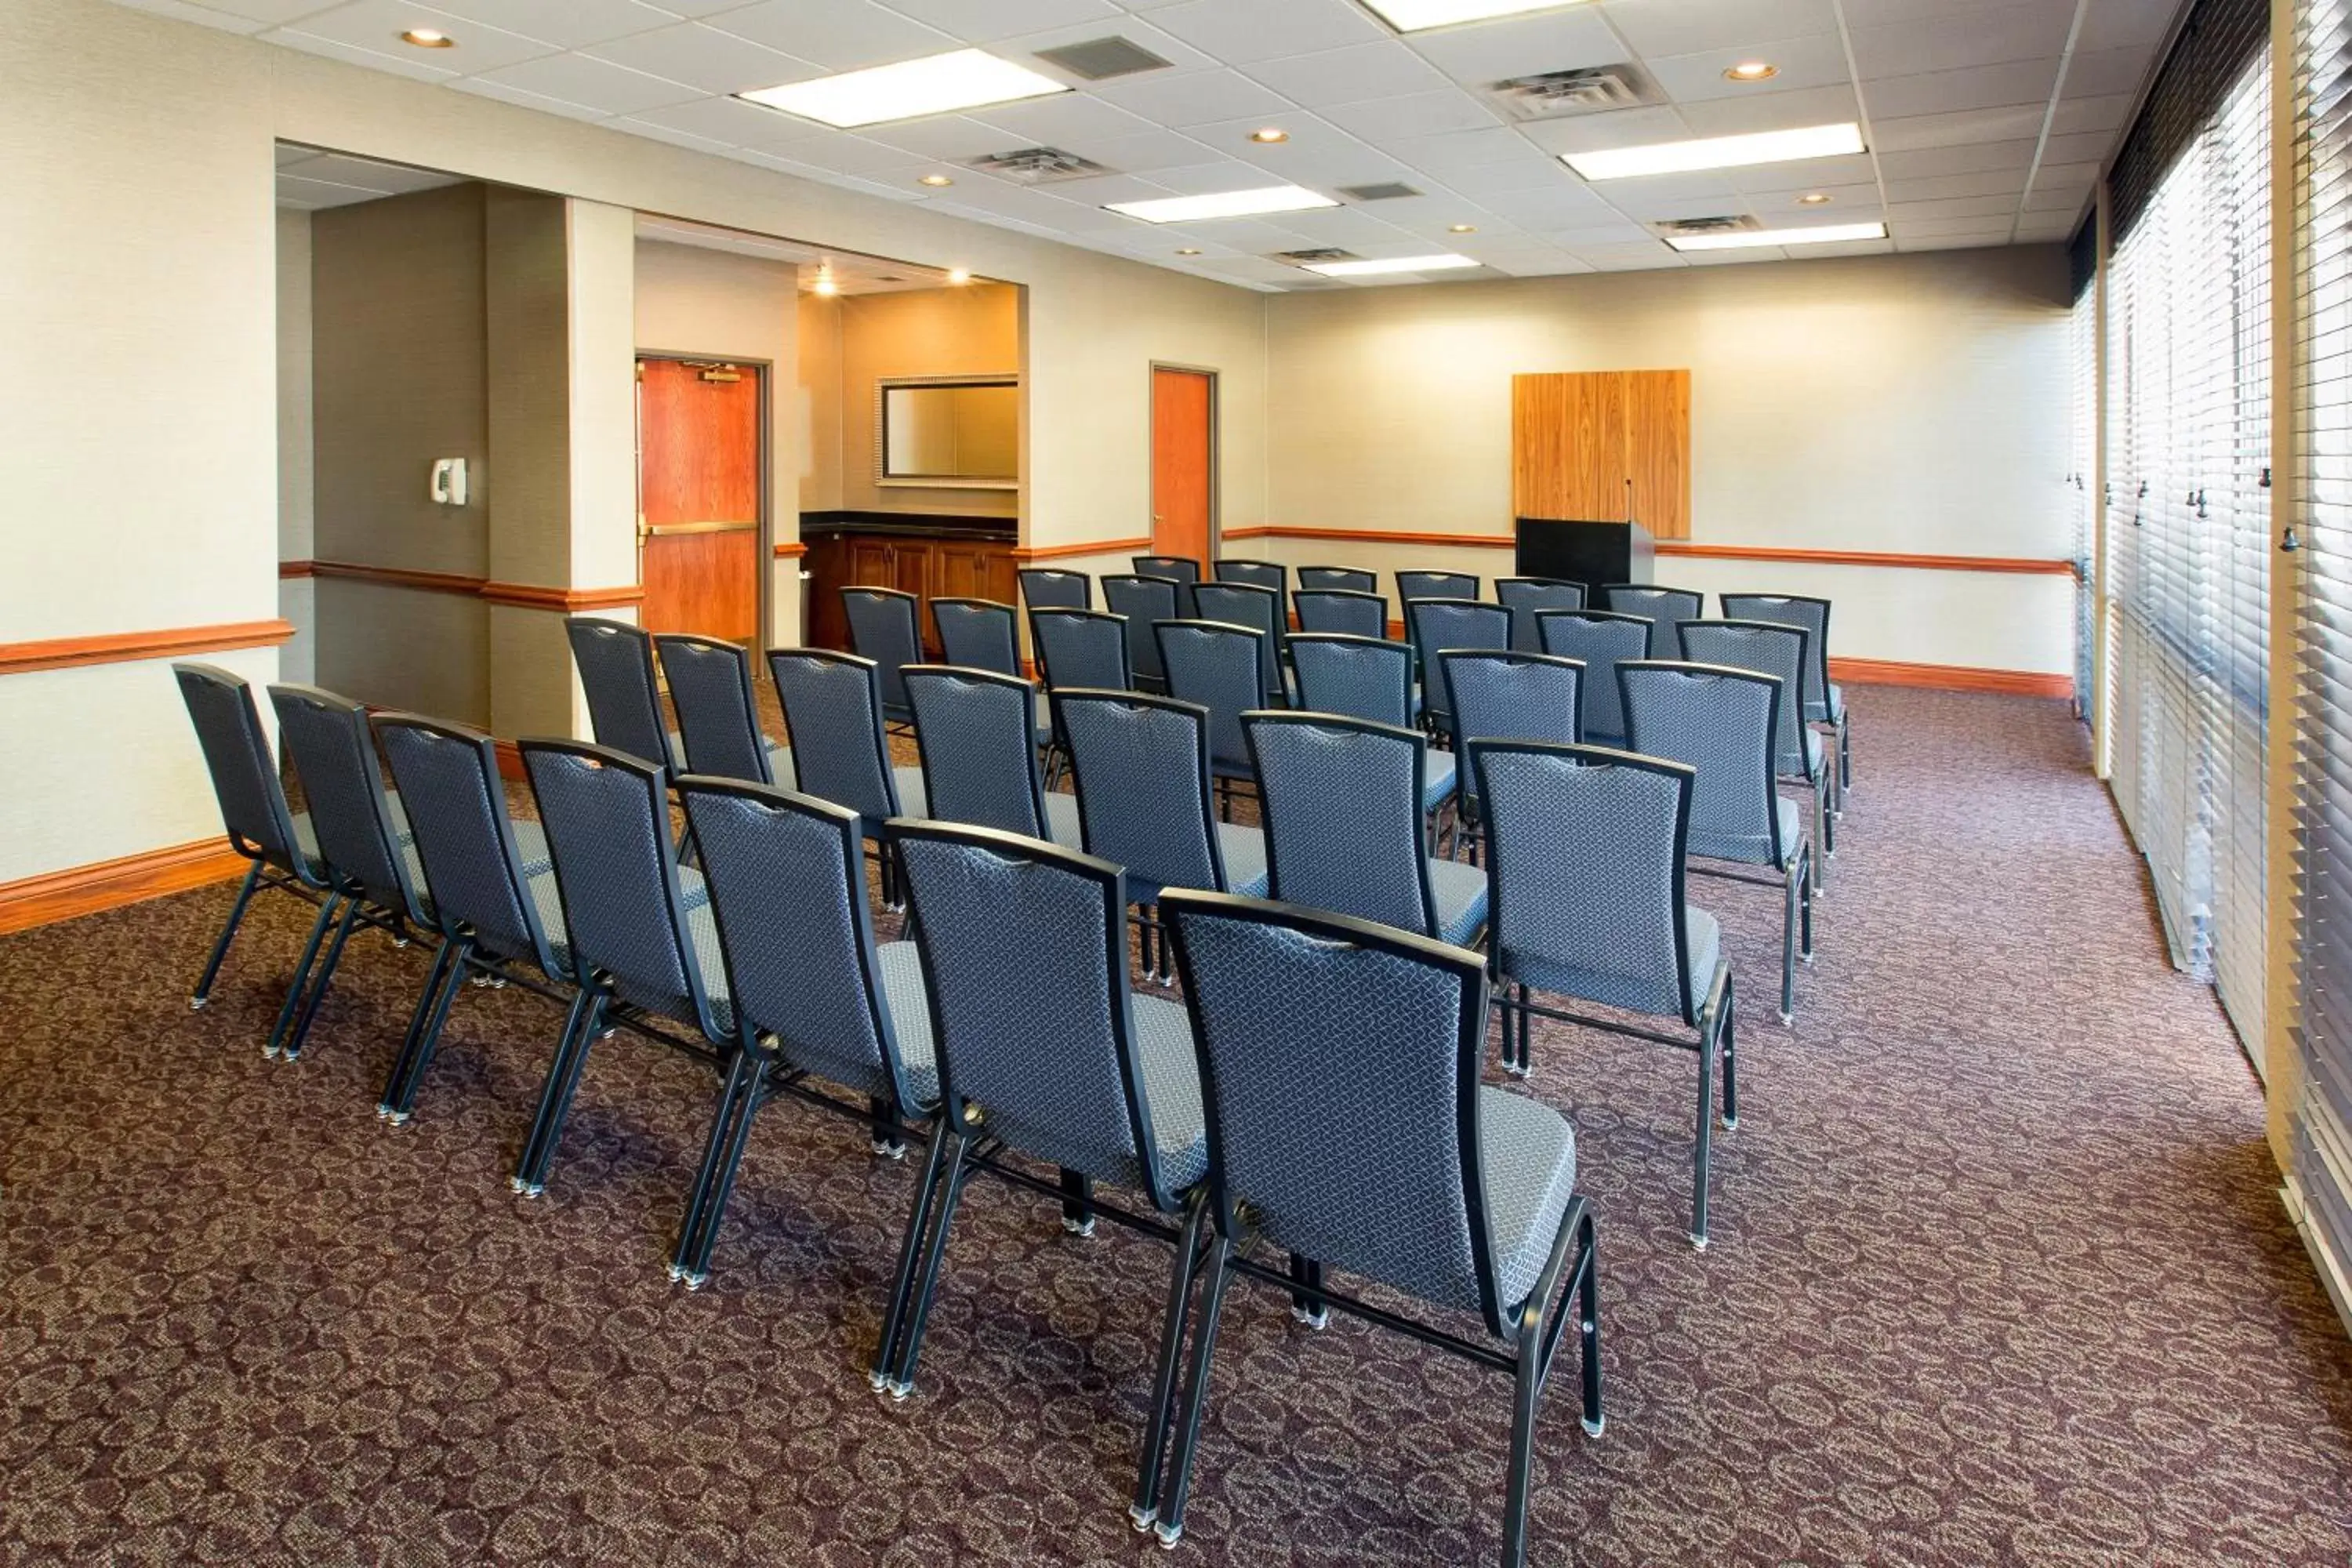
x=448 y=487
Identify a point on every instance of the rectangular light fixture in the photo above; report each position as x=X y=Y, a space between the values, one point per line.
x=937 y=84
x=1820 y=234
x=1717 y=153
x=1414 y=16
x=1224 y=203
x=1443 y=263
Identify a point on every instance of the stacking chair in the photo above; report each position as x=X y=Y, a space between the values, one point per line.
x=1143 y=601
x=1271 y=574
x=499 y=919
x=1140 y=765
x=1585 y=861
x=1081 y=648
x=1506 y=696
x=977 y=734
x=1437 y=625
x=1346 y=579
x=1182 y=570
x=1370 y=678
x=640 y=953
x=884 y=626
x=1051 y=588
x=1780 y=651
x=833 y=710
x=1222 y=667
x=710 y=687
x=1720 y=722
x=1663 y=608
x=979 y=634
x=1458 y=1195
x=1525 y=597
x=1599 y=640
x=1342 y=610
x=617 y=672
x=1824 y=698
x=1412 y=586
x=818 y=1002
x=1260 y=609
x=281 y=846
x=1046 y=1057
x=1344 y=827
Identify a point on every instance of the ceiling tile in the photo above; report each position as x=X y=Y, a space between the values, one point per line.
x=1585 y=237
x=1973 y=228
x=1448 y=154
x=1068 y=119
x=1542 y=267
x=1241 y=31
x=1987 y=36
x=2077 y=115
x=1968 y=158
x=1147 y=153
x=1105 y=188
x=1687 y=26
x=1880 y=12
x=1773 y=111
x=569 y=22
x=1807 y=174
x=839 y=35
x=483 y=87
x=2122 y=24
x=585 y=79
x=1414 y=114
x=986 y=21
x=1492 y=51
x=1980 y=87
x=1953 y=206
x=950 y=137
x=706 y=58
x=1535 y=171
x=2009 y=183
x=352 y=54
x=636 y=127
x=1179 y=99
x=375 y=26
x=733 y=121
x=1564 y=204
x=1594 y=132
x=1630 y=257
x=1960 y=128
x=2102 y=72
x=1807 y=62
x=1383 y=70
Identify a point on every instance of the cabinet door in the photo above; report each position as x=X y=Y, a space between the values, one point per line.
x=871 y=563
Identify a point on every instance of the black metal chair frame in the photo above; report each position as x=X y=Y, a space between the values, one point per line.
x=884 y=863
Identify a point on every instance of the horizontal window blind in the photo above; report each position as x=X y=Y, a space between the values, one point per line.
x=2084 y=457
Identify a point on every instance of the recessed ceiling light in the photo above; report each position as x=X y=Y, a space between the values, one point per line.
x=1461 y=228
x=1190 y=250
x=426 y=39
x=934 y=180
x=1270 y=135
x=1824 y=234
x=966 y=79
x=1718 y=151
x=825 y=285
x=1443 y=263
x=959 y=275
x=1224 y=203
x=1413 y=16
x=1753 y=70
x=1814 y=199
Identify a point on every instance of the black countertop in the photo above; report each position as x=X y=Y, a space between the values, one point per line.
x=910 y=525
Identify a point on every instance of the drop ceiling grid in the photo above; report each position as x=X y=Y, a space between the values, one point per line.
x=1988 y=119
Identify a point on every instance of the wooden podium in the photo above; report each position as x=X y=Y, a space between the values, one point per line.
x=1591 y=554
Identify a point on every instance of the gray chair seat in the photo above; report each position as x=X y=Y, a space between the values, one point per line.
x=1527 y=1158
x=901 y=968
x=1812 y=750
x=912 y=801
x=1045 y=720
x=1062 y=821
x=549 y=903
x=1815 y=714
x=1460 y=892
x=1437 y=779
x=1792 y=821
x=1704 y=937
x=1243 y=849
x=711 y=959
x=780 y=764
x=1172 y=1086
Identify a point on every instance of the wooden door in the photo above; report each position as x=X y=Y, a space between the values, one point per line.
x=699 y=466
x=1183 y=452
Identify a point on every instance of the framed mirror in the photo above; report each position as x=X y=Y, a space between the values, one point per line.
x=952 y=432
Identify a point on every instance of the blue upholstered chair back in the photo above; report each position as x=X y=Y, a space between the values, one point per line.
x=1770 y=648
x=1584 y=872
x=607 y=820
x=449 y=786
x=1794 y=610
x=1347 y=579
x=1524 y=596
x=1347 y=611
x=978 y=634
x=1341 y=803
x=1260 y=609
x=1271 y=574
x=885 y=627
x=1380 y=1034
x=328 y=740
x=1663 y=608
x=617 y=672
x=1082 y=648
x=833 y=713
x=1182 y=570
x=787 y=878
x=244 y=777
x=1363 y=677
x=1219 y=665
x=1051 y=588
x=977 y=735
x=1140 y=765
x=1025 y=948
x=1506 y=696
x=1717 y=721
x=1597 y=639
x=1412 y=586
x=1438 y=625
x=1142 y=601
x=710 y=687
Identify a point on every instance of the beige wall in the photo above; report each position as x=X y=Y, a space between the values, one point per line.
x=297 y=596
x=1910 y=403
x=969 y=330
x=818 y=384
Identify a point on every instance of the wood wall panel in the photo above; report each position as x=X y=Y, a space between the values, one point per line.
x=1590 y=444
x=1657 y=425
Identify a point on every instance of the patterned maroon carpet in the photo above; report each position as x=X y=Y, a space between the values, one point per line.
x=1999 y=1275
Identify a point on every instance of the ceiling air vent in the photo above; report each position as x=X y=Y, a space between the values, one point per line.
x=1099 y=59
x=1318 y=255
x=1674 y=227
x=1037 y=165
x=1387 y=191
x=1589 y=90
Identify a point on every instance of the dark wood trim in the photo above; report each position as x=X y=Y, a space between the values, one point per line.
x=532 y=596
x=1885 y=558
x=395 y=577
x=122 y=647
x=286 y=568
x=111 y=884
x=515 y=595
x=1091 y=547
x=1950 y=678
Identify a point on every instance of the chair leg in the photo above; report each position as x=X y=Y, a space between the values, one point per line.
x=1587 y=1315
x=911 y=1247
x=1845 y=757
x=1305 y=1309
x=404 y=1103
x=1526 y=1383
x=203 y=991
x=882 y=1134
x=292 y=1048
x=1077 y=1203
x=1791 y=895
x=1146 y=1506
x=329 y=909
x=1169 y=1526
x=738 y=1098
x=1699 y=1154
x=1805 y=910
x=1727 y=1028
x=555 y=1094
x=927 y=1286
x=436 y=980
x=1526 y=1033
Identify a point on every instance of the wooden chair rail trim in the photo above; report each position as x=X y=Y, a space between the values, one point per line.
x=110 y=884
x=789 y=549
x=516 y=596
x=121 y=647
x=1091 y=547
x=1949 y=678
x=1666 y=547
x=532 y=596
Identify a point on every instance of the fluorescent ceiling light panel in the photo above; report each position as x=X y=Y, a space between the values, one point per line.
x=1224 y=203
x=1446 y=263
x=1413 y=15
x=1820 y=234
x=967 y=79
x=1717 y=153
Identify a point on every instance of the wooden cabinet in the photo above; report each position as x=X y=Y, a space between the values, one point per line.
x=1603 y=445
x=928 y=567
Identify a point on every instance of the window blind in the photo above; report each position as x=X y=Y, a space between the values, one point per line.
x=2084 y=457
